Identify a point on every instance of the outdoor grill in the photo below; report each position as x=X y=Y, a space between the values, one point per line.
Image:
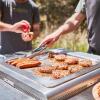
x=44 y=88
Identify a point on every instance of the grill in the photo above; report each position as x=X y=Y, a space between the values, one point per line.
x=43 y=88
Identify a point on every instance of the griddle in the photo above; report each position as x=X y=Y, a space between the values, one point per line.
x=44 y=88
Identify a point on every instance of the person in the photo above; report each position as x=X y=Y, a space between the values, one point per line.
x=17 y=27
x=13 y=11
x=88 y=9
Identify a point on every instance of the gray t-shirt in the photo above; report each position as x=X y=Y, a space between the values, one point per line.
x=12 y=42
x=92 y=10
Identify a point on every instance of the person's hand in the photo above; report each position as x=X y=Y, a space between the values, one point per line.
x=21 y=27
x=27 y=37
x=50 y=39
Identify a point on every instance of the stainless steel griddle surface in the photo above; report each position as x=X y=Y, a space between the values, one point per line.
x=48 y=81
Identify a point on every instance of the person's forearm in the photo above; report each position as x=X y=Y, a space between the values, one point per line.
x=71 y=24
x=65 y=28
x=5 y=27
x=18 y=27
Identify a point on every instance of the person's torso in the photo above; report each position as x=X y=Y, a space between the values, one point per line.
x=12 y=42
x=93 y=20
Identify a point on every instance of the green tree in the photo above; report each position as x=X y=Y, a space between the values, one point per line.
x=57 y=11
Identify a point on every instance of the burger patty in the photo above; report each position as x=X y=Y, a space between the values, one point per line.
x=61 y=66
x=71 y=60
x=85 y=63
x=46 y=69
x=60 y=57
x=56 y=74
x=74 y=68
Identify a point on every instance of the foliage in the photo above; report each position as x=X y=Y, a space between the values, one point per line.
x=57 y=11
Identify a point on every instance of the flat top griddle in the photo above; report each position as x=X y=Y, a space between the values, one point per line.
x=49 y=82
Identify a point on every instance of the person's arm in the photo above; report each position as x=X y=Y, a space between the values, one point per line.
x=17 y=27
x=5 y=27
x=70 y=25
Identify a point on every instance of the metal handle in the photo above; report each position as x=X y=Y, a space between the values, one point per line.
x=37 y=51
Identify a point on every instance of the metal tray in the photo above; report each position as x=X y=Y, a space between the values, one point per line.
x=49 y=82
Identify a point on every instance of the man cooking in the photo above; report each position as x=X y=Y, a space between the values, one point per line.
x=88 y=9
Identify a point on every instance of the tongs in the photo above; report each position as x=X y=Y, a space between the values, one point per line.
x=38 y=51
